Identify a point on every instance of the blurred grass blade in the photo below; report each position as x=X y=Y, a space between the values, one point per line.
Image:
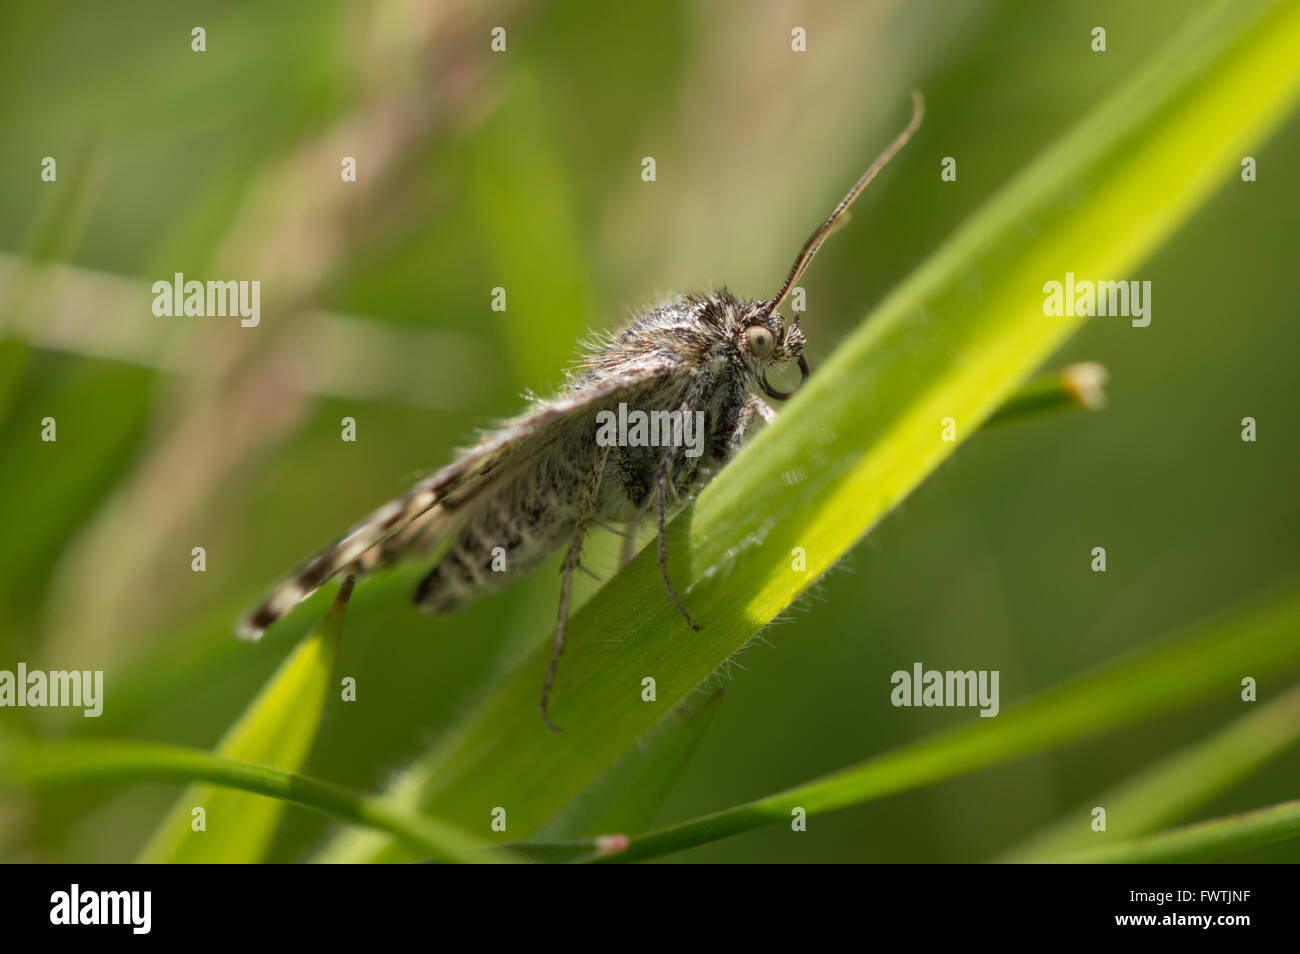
x=1175 y=787
x=1076 y=386
x=953 y=341
x=277 y=729
x=575 y=852
x=1202 y=841
x=42 y=764
x=626 y=797
x=54 y=234
x=1259 y=639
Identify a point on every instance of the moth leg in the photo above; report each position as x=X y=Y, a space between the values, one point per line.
x=572 y=561
x=661 y=482
x=765 y=410
x=754 y=405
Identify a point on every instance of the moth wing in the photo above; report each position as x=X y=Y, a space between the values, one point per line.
x=426 y=512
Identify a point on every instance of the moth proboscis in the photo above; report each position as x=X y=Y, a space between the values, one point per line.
x=539 y=481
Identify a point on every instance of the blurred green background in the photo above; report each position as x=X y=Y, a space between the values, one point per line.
x=522 y=170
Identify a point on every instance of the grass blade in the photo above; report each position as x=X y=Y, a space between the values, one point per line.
x=277 y=729
x=52 y=763
x=1203 y=841
x=626 y=797
x=1081 y=385
x=1259 y=639
x=1173 y=788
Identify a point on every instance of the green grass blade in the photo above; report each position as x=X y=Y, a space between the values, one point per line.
x=1173 y=788
x=1076 y=386
x=577 y=852
x=277 y=729
x=54 y=763
x=626 y=797
x=954 y=340
x=1259 y=639
x=1203 y=841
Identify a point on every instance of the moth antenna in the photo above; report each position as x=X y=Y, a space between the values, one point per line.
x=815 y=241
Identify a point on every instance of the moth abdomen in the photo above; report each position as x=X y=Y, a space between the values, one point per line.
x=501 y=539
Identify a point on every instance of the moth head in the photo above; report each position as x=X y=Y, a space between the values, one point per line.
x=767 y=341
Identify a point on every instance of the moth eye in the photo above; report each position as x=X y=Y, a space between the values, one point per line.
x=760 y=341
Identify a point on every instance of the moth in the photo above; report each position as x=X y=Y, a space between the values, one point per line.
x=542 y=480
